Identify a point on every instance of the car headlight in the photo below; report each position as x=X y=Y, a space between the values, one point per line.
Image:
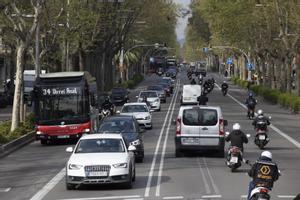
x=39 y=132
x=135 y=142
x=87 y=130
x=147 y=117
x=75 y=166
x=157 y=100
x=120 y=165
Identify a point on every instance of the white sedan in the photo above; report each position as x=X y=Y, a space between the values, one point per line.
x=140 y=111
x=100 y=159
x=152 y=98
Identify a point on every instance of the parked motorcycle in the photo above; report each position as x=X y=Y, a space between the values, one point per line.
x=261 y=138
x=234 y=156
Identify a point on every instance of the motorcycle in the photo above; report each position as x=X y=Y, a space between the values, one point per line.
x=260 y=193
x=224 y=91
x=261 y=138
x=234 y=156
x=105 y=113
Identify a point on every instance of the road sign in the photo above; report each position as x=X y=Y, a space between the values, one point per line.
x=229 y=61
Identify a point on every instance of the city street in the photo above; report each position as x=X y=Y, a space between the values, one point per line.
x=37 y=172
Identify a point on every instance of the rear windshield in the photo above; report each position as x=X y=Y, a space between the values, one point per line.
x=200 y=117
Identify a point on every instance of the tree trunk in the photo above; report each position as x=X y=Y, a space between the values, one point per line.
x=15 y=121
x=288 y=65
x=297 y=63
x=81 y=58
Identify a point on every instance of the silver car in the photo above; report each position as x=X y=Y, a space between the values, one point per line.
x=199 y=128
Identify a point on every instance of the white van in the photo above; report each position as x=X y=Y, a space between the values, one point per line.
x=190 y=93
x=199 y=128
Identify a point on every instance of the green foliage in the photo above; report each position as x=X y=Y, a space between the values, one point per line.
x=137 y=78
x=24 y=128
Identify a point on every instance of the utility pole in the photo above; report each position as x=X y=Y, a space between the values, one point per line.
x=37 y=47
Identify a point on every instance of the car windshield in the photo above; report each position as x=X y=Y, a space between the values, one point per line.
x=148 y=94
x=200 y=117
x=117 y=125
x=134 y=108
x=155 y=87
x=118 y=90
x=104 y=145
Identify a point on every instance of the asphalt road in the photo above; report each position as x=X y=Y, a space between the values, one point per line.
x=37 y=172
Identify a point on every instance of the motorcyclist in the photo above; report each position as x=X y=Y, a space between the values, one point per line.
x=237 y=137
x=260 y=117
x=251 y=103
x=107 y=104
x=264 y=172
x=202 y=99
x=193 y=82
x=224 y=86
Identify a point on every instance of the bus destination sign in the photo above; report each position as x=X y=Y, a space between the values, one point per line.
x=60 y=91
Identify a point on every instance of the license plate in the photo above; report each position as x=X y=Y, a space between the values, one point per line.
x=97 y=174
x=190 y=141
x=63 y=136
x=234 y=159
x=261 y=137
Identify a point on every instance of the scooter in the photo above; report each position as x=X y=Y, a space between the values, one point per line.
x=234 y=156
x=261 y=138
x=260 y=193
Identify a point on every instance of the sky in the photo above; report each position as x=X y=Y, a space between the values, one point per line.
x=182 y=22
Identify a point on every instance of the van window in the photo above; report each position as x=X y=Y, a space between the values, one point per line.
x=200 y=117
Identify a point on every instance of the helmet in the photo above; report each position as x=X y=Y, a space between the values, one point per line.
x=250 y=94
x=267 y=154
x=224 y=81
x=260 y=112
x=236 y=126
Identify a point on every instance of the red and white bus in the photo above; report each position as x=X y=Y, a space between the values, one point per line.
x=65 y=105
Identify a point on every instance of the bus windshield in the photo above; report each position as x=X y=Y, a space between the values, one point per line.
x=68 y=108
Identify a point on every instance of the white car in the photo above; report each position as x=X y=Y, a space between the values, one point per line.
x=100 y=159
x=152 y=98
x=140 y=111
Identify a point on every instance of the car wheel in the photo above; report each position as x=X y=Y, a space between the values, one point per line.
x=178 y=153
x=221 y=153
x=133 y=177
x=44 y=142
x=70 y=186
x=128 y=184
x=158 y=109
x=165 y=101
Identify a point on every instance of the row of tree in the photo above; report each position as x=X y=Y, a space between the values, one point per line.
x=263 y=32
x=82 y=35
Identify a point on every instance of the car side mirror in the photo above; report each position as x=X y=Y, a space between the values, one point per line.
x=226 y=133
x=118 y=112
x=131 y=148
x=270 y=117
x=136 y=96
x=248 y=135
x=225 y=123
x=69 y=149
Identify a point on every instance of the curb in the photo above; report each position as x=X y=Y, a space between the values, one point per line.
x=16 y=144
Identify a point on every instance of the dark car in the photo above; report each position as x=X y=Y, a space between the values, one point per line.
x=171 y=72
x=169 y=83
x=130 y=130
x=166 y=88
x=119 y=96
x=160 y=90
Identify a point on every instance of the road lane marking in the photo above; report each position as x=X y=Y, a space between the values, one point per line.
x=277 y=130
x=161 y=165
x=49 y=186
x=216 y=189
x=211 y=196
x=175 y=197
x=150 y=175
x=286 y=196
x=207 y=189
x=5 y=189
x=106 y=198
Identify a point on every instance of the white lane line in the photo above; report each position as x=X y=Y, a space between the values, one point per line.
x=49 y=186
x=216 y=189
x=106 y=198
x=175 y=197
x=135 y=199
x=286 y=196
x=150 y=175
x=5 y=189
x=277 y=130
x=211 y=196
x=244 y=196
x=161 y=165
x=207 y=189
